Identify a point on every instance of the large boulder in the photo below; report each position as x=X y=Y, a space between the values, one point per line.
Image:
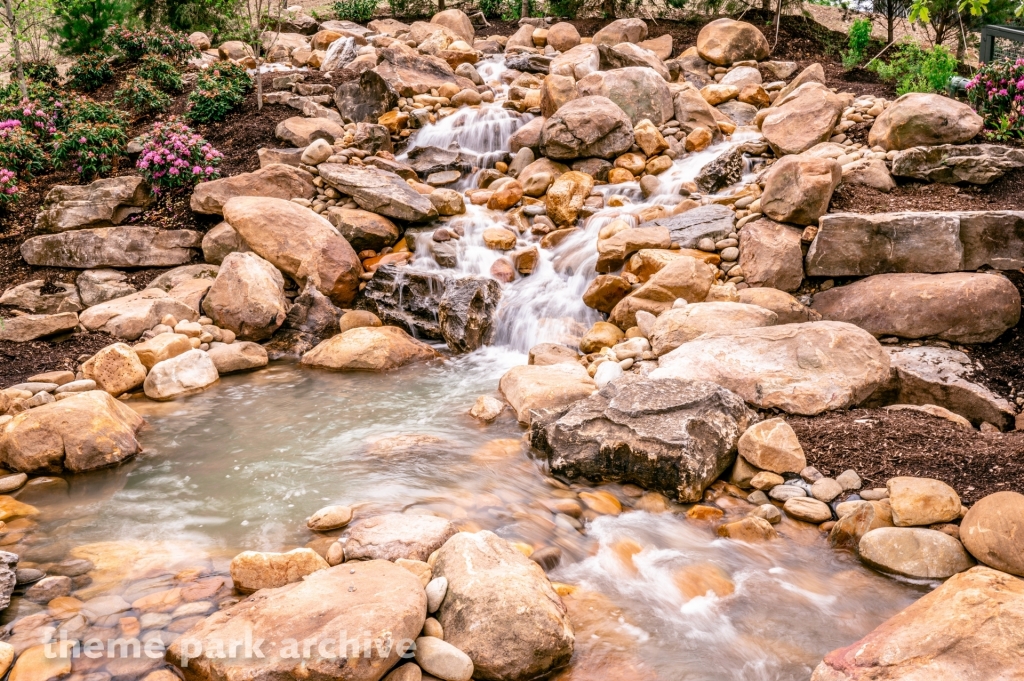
x=798 y=368
x=298 y=242
x=578 y=62
x=410 y=73
x=692 y=111
x=969 y=629
x=669 y=435
x=365 y=97
x=185 y=374
x=383 y=602
x=378 y=191
x=807 y=117
x=724 y=42
x=949 y=163
x=131 y=316
x=914 y=552
x=799 y=188
x=626 y=55
x=395 y=536
x=275 y=180
x=369 y=349
x=81 y=433
x=621 y=31
x=924 y=119
x=638 y=90
x=29 y=327
x=362 y=229
x=681 y=325
x=457 y=22
x=771 y=255
x=991 y=531
x=962 y=307
x=587 y=127
x=563 y=36
x=992 y=238
x=112 y=247
x=300 y=131
x=247 y=297
x=684 y=277
x=102 y=203
x=552 y=386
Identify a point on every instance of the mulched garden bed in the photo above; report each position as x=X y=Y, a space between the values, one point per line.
x=18 y=361
x=1006 y=193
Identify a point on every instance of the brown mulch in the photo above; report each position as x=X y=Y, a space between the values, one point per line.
x=1006 y=193
x=881 y=444
x=18 y=361
x=1003 y=360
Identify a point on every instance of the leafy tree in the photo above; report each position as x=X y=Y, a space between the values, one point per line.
x=23 y=23
x=82 y=24
x=892 y=10
x=212 y=16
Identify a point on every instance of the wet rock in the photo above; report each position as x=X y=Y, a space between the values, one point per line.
x=466 y=312
x=428 y=160
x=687 y=229
x=255 y=570
x=299 y=131
x=720 y=173
x=991 y=529
x=112 y=247
x=486 y=408
x=949 y=163
x=613 y=251
x=771 y=255
x=638 y=90
x=378 y=191
x=584 y=127
x=369 y=349
x=678 y=326
x=805 y=118
x=965 y=629
x=852 y=526
x=298 y=242
x=48 y=588
x=410 y=73
x=105 y=202
x=188 y=373
x=247 y=297
x=672 y=436
x=566 y=196
x=532 y=387
x=751 y=530
x=605 y=291
x=551 y=353
x=276 y=180
x=914 y=552
x=397 y=535
x=961 y=307
x=799 y=188
x=501 y=610
x=29 y=296
x=924 y=119
x=365 y=97
x=41 y=663
x=724 y=42
x=87 y=431
x=115 y=369
x=329 y=518
x=362 y=229
x=799 y=368
x=238 y=356
x=684 y=277
x=921 y=501
x=131 y=316
x=772 y=446
x=24 y=328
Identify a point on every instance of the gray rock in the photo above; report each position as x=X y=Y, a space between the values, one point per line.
x=112 y=247
x=720 y=173
x=687 y=229
x=436 y=590
x=670 y=435
x=786 y=492
x=8 y=579
x=99 y=286
x=102 y=203
x=238 y=356
x=827 y=489
x=29 y=297
x=48 y=588
x=949 y=163
x=739 y=112
x=993 y=238
x=397 y=535
x=378 y=191
x=584 y=127
x=466 y=312
x=428 y=160
x=914 y=552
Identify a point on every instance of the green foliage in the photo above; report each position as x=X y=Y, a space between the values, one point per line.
x=90 y=72
x=997 y=93
x=84 y=110
x=161 y=72
x=355 y=10
x=571 y=8
x=20 y=150
x=210 y=16
x=141 y=96
x=175 y=156
x=157 y=41
x=90 y=148
x=217 y=91
x=859 y=36
x=914 y=69
x=41 y=71
x=82 y=24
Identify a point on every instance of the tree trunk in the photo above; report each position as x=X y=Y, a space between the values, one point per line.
x=890 y=27
x=608 y=9
x=524 y=10
x=12 y=24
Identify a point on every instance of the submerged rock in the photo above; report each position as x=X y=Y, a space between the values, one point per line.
x=549 y=386
x=369 y=349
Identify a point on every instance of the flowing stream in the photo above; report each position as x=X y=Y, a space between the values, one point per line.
x=240 y=466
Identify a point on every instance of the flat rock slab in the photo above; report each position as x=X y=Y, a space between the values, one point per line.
x=397 y=535
x=378 y=191
x=949 y=163
x=102 y=203
x=687 y=229
x=112 y=247
x=29 y=327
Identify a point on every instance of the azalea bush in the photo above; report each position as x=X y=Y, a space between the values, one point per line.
x=157 y=41
x=41 y=71
x=218 y=90
x=90 y=148
x=175 y=156
x=90 y=72
x=997 y=93
x=84 y=110
x=161 y=72
x=20 y=150
x=141 y=96
x=9 y=190
x=40 y=117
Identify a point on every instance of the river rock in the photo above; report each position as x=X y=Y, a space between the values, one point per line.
x=605 y=291
x=772 y=446
x=158 y=348
x=681 y=325
x=724 y=42
x=112 y=247
x=131 y=316
x=613 y=251
x=807 y=509
x=116 y=368
x=713 y=222
x=466 y=312
x=924 y=119
x=87 y=431
x=370 y=596
x=640 y=91
x=362 y=229
x=921 y=501
x=852 y=526
x=585 y=127
x=684 y=277
x=553 y=386
x=806 y=117
x=299 y=131
x=238 y=356
x=566 y=196
x=501 y=610
x=962 y=307
x=991 y=531
x=799 y=188
x=967 y=629
x=621 y=31
x=24 y=328
x=771 y=255
x=369 y=349
x=670 y=435
x=914 y=552
x=105 y=202
x=799 y=368
x=752 y=530
x=443 y=660
x=276 y=180
x=397 y=535
x=949 y=163
x=378 y=191
x=247 y=297
x=188 y=373
x=298 y=242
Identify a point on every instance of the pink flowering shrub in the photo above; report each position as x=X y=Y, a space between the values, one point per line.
x=174 y=156
x=90 y=148
x=38 y=117
x=9 y=190
x=19 y=150
x=158 y=41
x=997 y=93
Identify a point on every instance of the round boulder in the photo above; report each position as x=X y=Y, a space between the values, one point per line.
x=585 y=127
x=563 y=36
x=637 y=90
x=993 y=530
x=914 y=552
x=920 y=119
x=724 y=42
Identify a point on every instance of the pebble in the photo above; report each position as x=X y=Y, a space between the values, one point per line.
x=849 y=480
x=436 y=590
x=443 y=660
x=808 y=510
x=433 y=628
x=874 y=494
x=9 y=483
x=769 y=512
x=758 y=498
x=811 y=474
x=335 y=554
x=786 y=492
x=24 y=576
x=731 y=253
x=706 y=244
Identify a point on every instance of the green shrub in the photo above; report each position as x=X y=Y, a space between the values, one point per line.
x=41 y=72
x=90 y=148
x=83 y=110
x=217 y=91
x=859 y=37
x=161 y=72
x=81 y=25
x=90 y=72
x=355 y=10
x=913 y=69
x=141 y=96
x=158 y=41
x=20 y=150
